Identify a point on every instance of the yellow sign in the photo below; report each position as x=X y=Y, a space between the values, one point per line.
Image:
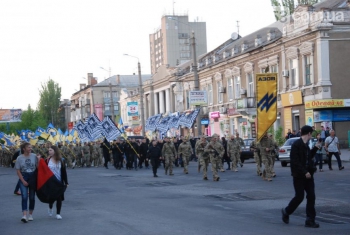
x=321 y=104
x=291 y=98
x=266 y=90
x=309 y=117
x=287 y=120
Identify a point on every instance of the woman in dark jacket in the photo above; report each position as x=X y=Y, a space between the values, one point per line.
x=58 y=168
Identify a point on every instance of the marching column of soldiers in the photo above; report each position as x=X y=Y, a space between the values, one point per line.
x=171 y=152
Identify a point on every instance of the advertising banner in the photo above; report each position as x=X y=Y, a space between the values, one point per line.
x=266 y=90
x=133 y=108
x=10 y=115
x=309 y=117
x=332 y=103
x=99 y=111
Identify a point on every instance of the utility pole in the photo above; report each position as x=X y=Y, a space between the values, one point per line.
x=112 y=104
x=141 y=101
x=196 y=82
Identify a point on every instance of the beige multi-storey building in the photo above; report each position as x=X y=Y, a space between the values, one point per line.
x=170 y=44
x=310 y=54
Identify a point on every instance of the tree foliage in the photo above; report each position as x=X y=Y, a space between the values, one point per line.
x=286 y=7
x=50 y=95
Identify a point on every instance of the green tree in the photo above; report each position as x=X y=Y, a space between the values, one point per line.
x=282 y=8
x=50 y=95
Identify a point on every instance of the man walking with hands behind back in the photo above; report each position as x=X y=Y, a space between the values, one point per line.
x=302 y=167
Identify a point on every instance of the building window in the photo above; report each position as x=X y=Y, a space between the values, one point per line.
x=237 y=87
x=210 y=94
x=274 y=68
x=250 y=85
x=106 y=95
x=308 y=69
x=220 y=94
x=230 y=88
x=116 y=107
x=294 y=79
x=107 y=107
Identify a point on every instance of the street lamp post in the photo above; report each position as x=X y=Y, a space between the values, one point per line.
x=141 y=95
x=110 y=91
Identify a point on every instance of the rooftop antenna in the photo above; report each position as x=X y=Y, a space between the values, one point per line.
x=173 y=8
x=238 y=27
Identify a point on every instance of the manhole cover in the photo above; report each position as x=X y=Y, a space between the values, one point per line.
x=160 y=184
x=241 y=196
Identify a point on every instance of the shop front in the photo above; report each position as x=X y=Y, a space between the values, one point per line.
x=292 y=111
x=332 y=113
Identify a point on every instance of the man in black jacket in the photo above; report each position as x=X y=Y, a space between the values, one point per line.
x=302 y=168
x=106 y=147
x=143 y=153
x=154 y=153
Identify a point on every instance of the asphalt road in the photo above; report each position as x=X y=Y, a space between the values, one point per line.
x=101 y=201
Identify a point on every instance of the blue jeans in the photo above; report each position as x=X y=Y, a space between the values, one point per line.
x=25 y=195
x=336 y=155
x=319 y=160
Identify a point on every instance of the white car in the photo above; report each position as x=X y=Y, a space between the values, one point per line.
x=284 y=152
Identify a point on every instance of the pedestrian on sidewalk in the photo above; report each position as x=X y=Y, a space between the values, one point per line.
x=332 y=148
x=319 y=144
x=302 y=168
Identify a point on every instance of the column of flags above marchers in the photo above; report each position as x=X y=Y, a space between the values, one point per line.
x=93 y=129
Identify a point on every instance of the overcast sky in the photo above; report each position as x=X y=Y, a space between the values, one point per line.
x=66 y=39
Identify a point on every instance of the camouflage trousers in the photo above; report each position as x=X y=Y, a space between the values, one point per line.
x=267 y=161
x=169 y=159
x=215 y=161
x=86 y=159
x=185 y=160
x=69 y=160
x=204 y=164
x=273 y=158
x=78 y=160
x=95 y=159
x=257 y=162
x=235 y=158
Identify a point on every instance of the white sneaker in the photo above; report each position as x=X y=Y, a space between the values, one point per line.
x=30 y=217
x=58 y=217
x=49 y=211
x=24 y=219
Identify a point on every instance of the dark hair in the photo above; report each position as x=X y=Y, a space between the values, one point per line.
x=23 y=146
x=57 y=155
x=306 y=130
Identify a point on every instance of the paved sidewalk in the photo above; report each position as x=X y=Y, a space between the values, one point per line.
x=345 y=155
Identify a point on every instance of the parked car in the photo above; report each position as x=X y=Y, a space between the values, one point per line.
x=247 y=153
x=284 y=152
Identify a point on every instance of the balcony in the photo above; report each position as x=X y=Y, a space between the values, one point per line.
x=108 y=100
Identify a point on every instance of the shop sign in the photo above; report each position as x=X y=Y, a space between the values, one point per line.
x=198 y=98
x=287 y=120
x=323 y=116
x=132 y=108
x=332 y=103
x=205 y=122
x=215 y=115
x=242 y=119
x=291 y=98
x=232 y=112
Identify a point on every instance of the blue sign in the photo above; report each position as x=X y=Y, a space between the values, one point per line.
x=341 y=115
x=205 y=121
x=323 y=116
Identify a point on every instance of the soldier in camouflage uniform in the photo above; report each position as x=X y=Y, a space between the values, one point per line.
x=266 y=146
x=169 y=153
x=186 y=150
x=255 y=148
x=77 y=153
x=70 y=155
x=233 y=150
x=202 y=160
x=94 y=155
x=216 y=151
x=241 y=144
x=273 y=154
x=85 y=152
x=66 y=153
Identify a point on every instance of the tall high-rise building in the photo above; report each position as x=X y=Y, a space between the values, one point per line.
x=171 y=45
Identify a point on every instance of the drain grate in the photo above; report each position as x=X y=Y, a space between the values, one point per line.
x=251 y=196
x=160 y=184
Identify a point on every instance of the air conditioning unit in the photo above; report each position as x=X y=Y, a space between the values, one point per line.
x=222 y=90
x=222 y=110
x=243 y=91
x=285 y=73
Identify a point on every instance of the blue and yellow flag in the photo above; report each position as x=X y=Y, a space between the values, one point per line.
x=266 y=95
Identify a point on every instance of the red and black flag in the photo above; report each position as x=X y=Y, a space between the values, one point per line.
x=48 y=188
